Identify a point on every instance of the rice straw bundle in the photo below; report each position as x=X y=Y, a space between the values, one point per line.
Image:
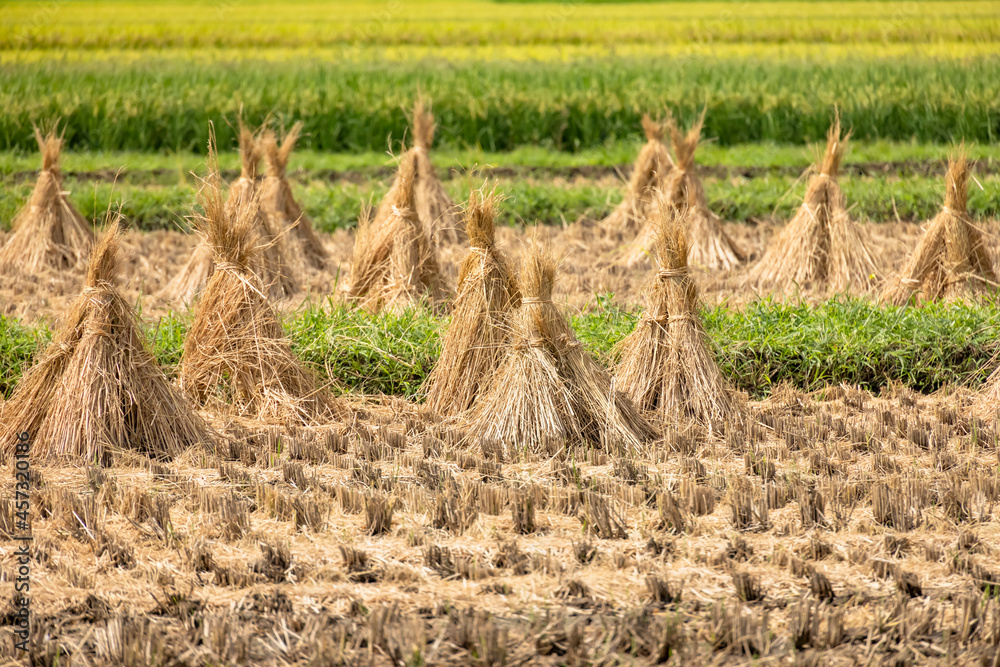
x=821 y=246
x=271 y=262
x=667 y=364
x=548 y=386
x=395 y=262
x=652 y=165
x=236 y=355
x=97 y=388
x=951 y=259
x=488 y=294
x=48 y=232
x=278 y=202
x=709 y=247
x=434 y=208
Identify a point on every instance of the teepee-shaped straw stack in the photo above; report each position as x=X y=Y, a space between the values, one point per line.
x=434 y=208
x=283 y=213
x=709 y=247
x=271 y=262
x=480 y=325
x=237 y=358
x=97 y=388
x=821 y=247
x=666 y=364
x=652 y=165
x=548 y=387
x=48 y=231
x=395 y=262
x=951 y=259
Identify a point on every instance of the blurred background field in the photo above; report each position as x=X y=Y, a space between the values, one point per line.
x=539 y=89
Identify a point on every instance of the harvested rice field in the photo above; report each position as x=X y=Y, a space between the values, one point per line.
x=499 y=333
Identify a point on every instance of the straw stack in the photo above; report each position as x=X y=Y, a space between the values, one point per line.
x=651 y=167
x=271 y=262
x=395 y=262
x=666 y=363
x=432 y=205
x=821 y=247
x=709 y=247
x=951 y=259
x=548 y=387
x=48 y=232
x=283 y=213
x=97 y=388
x=237 y=359
x=487 y=297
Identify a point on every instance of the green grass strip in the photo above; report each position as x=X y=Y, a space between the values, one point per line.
x=843 y=340
x=337 y=206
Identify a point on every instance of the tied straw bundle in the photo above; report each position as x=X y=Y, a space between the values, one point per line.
x=951 y=259
x=709 y=247
x=488 y=295
x=49 y=233
x=395 y=262
x=236 y=357
x=433 y=207
x=666 y=363
x=271 y=262
x=651 y=166
x=278 y=202
x=97 y=388
x=821 y=247
x=548 y=387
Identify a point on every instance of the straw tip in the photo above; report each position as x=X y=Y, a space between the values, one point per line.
x=105 y=258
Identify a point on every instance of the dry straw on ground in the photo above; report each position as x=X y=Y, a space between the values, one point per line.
x=395 y=262
x=436 y=211
x=97 y=388
x=821 y=247
x=651 y=167
x=667 y=364
x=487 y=296
x=951 y=259
x=271 y=262
x=278 y=203
x=548 y=387
x=237 y=359
x=709 y=247
x=48 y=231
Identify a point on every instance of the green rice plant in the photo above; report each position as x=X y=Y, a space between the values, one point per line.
x=386 y=353
x=18 y=345
x=499 y=106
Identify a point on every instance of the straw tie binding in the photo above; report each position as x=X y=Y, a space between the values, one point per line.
x=530 y=300
x=229 y=266
x=672 y=273
x=656 y=319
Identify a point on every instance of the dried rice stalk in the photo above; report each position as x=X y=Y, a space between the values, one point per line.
x=667 y=364
x=48 y=231
x=488 y=294
x=434 y=208
x=821 y=247
x=548 y=386
x=271 y=263
x=278 y=202
x=395 y=262
x=951 y=260
x=97 y=388
x=709 y=247
x=236 y=356
x=651 y=167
